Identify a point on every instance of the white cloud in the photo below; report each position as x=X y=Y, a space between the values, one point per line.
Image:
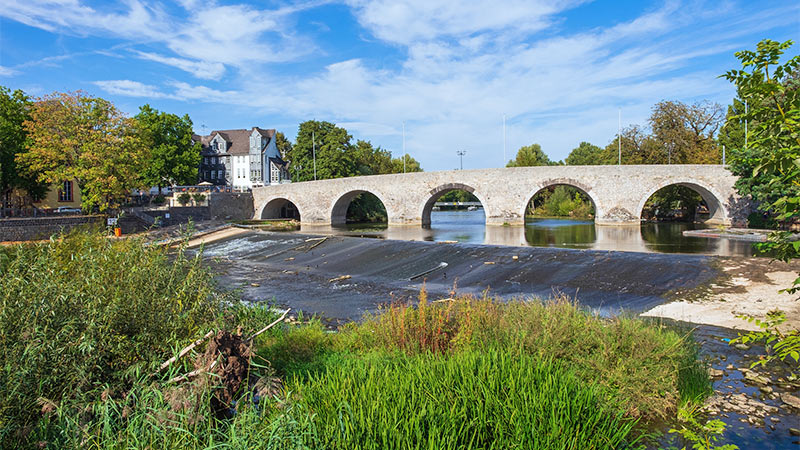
x=186 y=91
x=130 y=88
x=205 y=38
x=139 y=20
x=407 y=21
x=200 y=69
x=7 y=72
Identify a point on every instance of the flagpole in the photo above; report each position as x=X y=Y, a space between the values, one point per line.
x=504 y=140
x=619 y=138
x=404 y=147
x=314 y=150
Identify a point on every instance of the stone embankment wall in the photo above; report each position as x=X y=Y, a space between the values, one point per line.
x=221 y=206
x=27 y=229
x=231 y=205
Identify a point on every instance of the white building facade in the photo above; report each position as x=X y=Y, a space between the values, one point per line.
x=242 y=159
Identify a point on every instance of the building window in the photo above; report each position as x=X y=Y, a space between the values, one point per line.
x=275 y=176
x=65 y=193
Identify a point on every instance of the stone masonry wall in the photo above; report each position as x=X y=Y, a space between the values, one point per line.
x=231 y=205
x=26 y=229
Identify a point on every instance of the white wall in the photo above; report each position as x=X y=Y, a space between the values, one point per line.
x=241 y=172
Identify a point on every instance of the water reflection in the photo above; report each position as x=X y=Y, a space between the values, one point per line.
x=469 y=227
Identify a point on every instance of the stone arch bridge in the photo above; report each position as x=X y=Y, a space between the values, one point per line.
x=618 y=192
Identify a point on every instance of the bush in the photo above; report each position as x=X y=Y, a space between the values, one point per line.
x=159 y=199
x=82 y=315
x=184 y=198
x=198 y=198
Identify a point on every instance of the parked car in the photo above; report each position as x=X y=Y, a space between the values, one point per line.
x=67 y=209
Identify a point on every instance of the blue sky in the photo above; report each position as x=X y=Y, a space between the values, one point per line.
x=558 y=70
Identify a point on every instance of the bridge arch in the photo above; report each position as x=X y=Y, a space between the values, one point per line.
x=586 y=189
x=718 y=214
x=339 y=207
x=280 y=208
x=435 y=193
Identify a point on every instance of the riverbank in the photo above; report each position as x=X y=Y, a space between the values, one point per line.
x=746 y=286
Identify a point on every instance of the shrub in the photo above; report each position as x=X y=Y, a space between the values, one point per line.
x=82 y=314
x=184 y=198
x=198 y=198
x=159 y=199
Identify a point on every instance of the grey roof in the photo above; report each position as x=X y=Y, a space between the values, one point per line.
x=238 y=141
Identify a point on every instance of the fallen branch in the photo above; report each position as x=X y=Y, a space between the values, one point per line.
x=278 y=320
x=343 y=277
x=320 y=242
x=191 y=374
x=441 y=265
x=183 y=352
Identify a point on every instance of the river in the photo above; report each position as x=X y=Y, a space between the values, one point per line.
x=469 y=227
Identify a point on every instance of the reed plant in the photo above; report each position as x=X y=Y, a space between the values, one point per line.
x=82 y=316
x=495 y=399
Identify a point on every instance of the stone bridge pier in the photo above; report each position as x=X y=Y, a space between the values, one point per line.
x=619 y=193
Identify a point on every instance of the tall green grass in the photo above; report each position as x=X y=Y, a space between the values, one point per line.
x=470 y=400
x=650 y=368
x=82 y=315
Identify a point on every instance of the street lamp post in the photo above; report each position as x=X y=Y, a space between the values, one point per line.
x=461 y=154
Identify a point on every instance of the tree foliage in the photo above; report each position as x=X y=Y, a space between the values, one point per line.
x=687 y=132
x=771 y=92
x=337 y=156
x=283 y=144
x=73 y=136
x=638 y=147
x=561 y=201
x=530 y=155
x=769 y=168
x=173 y=157
x=585 y=154
x=14 y=111
x=677 y=133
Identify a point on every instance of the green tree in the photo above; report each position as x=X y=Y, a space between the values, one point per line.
x=458 y=196
x=411 y=164
x=638 y=147
x=335 y=154
x=764 y=165
x=173 y=157
x=585 y=154
x=14 y=111
x=283 y=144
x=686 y=132
x=372 y=160
x=771 y=92
x=731 y=135
x=73 y=136
x=530 y=155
